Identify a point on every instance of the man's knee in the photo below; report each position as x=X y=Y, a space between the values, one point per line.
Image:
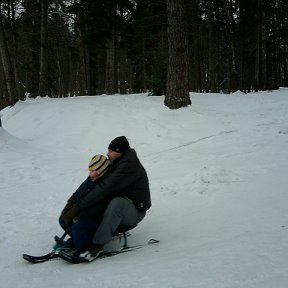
x=117 y=204
x=120 y=208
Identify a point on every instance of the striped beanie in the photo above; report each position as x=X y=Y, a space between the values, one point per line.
x=100 y=164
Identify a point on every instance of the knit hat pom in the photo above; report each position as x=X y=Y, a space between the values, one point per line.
x=100 y=164
x=119 y=144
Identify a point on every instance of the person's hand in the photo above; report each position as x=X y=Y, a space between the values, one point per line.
x=70 y=215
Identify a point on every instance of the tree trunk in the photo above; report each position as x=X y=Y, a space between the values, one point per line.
x=43 y=75
x=13 y=48
x=110 y=65
x=228 y=19
x=122 y=71
x=88 y=72
x=7 y=66
x=177 y=94
x=263 y=26
x=196 y=76
x=60 y=88
x=212 y=49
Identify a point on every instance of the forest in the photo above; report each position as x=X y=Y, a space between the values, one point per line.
x=62 y=48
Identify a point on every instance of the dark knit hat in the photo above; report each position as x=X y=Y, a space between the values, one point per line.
x=119 y=144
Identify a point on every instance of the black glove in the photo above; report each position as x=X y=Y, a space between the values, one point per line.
x=70 y=215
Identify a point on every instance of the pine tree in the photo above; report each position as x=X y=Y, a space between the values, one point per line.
x=177 y=94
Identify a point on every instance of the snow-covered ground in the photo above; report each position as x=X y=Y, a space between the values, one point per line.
x=218 y=173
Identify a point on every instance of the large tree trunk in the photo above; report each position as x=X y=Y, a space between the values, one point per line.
x=177 y=94
x=43 y=75
x=7 y=66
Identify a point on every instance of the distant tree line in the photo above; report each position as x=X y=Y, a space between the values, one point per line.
x=63 y=48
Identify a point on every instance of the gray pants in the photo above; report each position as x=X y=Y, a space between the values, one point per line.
x=120 y=211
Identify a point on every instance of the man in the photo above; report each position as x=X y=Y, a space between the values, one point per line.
x=128 y=185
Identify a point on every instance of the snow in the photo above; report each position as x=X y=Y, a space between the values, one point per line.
x=218 y=177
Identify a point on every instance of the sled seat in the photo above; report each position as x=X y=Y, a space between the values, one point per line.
x=121 y=230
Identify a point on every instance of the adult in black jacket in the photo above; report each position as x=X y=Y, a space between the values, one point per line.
x=128 y=185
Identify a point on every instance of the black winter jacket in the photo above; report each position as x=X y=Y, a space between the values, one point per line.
x=95 y=211
x=128 y=178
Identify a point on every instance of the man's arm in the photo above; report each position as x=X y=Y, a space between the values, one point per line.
x=111 y=186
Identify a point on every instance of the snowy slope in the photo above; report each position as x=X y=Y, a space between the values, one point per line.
x=218 y=177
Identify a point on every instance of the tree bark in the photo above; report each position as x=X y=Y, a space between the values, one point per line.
x=7 y=66
x=177 y=94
